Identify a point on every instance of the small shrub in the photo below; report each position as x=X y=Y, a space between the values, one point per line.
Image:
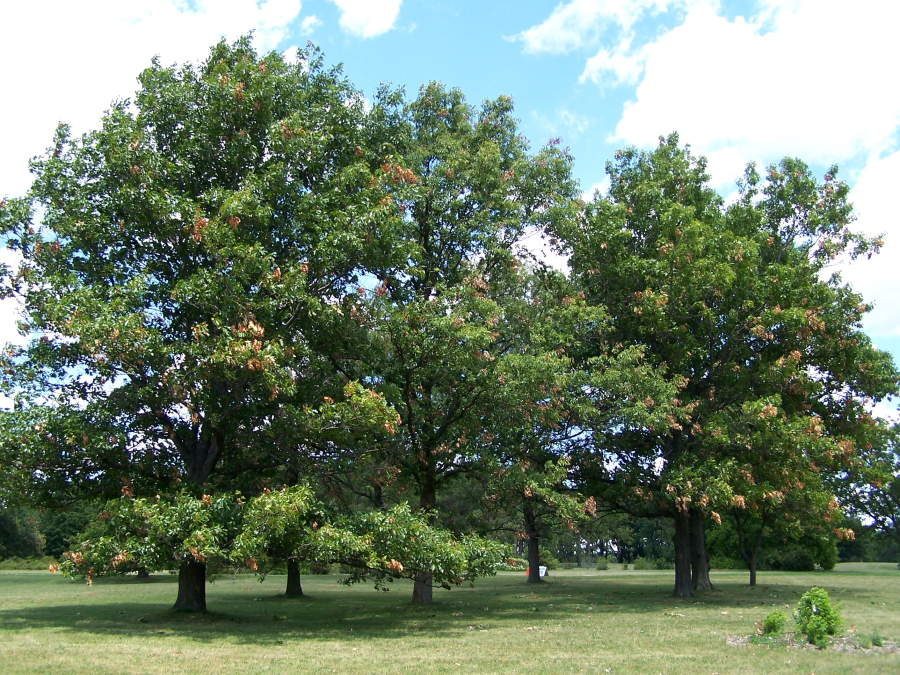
x=624 y=565
x=602 y=564
x=774 y=623
x=875 y=640
x=663 y=564
x=641 y=564
x=816 y=617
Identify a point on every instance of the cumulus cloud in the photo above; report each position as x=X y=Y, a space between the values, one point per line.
x=309 y=24
x=368 y=18
x=580 y=23
x=804 y=78
x=68 y=60
x=874 y=198
x=811 y=84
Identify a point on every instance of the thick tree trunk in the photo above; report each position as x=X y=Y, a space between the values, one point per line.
x=422 y=589
x=699 y=557
x=191 y=587
x=293 y=588
x=683 y=587
x=534 y=544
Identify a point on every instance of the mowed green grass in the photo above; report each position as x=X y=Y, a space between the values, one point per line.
x=579 y=621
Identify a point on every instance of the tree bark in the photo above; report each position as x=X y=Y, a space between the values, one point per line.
x=293 y=589
x=423 y=586
x=683 y=586
x=699 y=556
x=191 y=587
x=422 y=589
x=750 y=555
x=534 y=544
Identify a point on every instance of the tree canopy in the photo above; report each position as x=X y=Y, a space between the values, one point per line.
x=264 y=315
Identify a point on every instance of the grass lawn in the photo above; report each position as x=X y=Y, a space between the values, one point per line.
x=579 y=621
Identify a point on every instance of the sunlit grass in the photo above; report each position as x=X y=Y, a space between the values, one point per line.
x=578 y=621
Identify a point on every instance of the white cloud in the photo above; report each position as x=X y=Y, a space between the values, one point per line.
x=575 y=123
x=535 y=243
x=68 y=60
x=565 y=124
x=623 y=62
x=874 y=198
x=368 y=18
x=579 y=23
x=309 y=24
x=602 y=188
x=812 y=84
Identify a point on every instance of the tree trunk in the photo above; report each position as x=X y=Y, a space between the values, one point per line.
x=422 y=590
x=683 y=587
x=750 y=556
x=293 y=589
x=534 y=544
x=699 y=557
x=423 y=586
x=191 y=587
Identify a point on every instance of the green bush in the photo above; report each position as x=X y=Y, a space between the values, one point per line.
x=641 y=564
x=816 y=617
x=774 y=623
x=549 y=560
x=789 y=560
x=663 y=564
x=601 y=564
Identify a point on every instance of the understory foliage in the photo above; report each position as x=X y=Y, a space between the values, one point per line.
x=229 y=532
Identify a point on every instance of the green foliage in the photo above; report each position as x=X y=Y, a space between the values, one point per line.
x=158 y=534
x=601 y=564
x=816 y=617
x=20 y=536
x=33 y=563
x=640 y=564
x=402 y=543
x=774 y=623
x=189 y=251
x=731 y=303
x=62 y=527
x=547 y=559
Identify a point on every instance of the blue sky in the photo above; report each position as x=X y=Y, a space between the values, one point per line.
x=740 y=80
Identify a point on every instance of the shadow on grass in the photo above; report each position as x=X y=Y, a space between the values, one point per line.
x=244 y=613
